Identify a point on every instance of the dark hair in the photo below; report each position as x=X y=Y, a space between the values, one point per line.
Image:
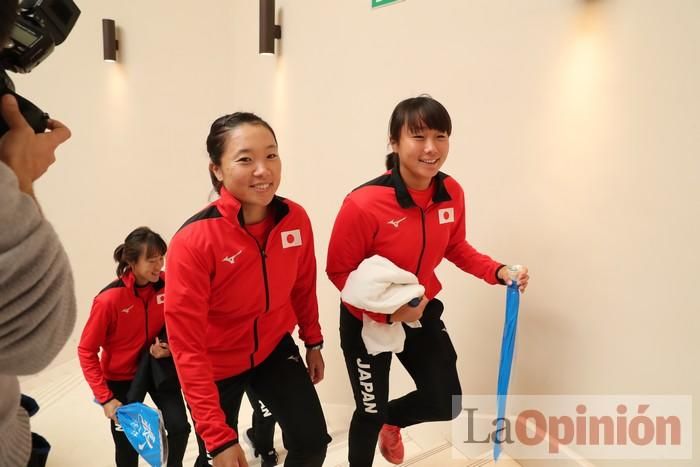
x=133 y=246
x=216 y=140
x=8 y=16
x=416 y=113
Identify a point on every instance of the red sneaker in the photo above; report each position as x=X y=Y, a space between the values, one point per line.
x=390 y=444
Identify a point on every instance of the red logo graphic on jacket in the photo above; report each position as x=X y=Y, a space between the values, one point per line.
x=446 y=215
x=291 y=238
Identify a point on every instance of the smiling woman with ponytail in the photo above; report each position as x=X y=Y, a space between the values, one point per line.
x=128 y=253
x=126 y=320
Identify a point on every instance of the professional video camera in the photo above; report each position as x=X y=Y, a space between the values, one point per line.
x=41 y=25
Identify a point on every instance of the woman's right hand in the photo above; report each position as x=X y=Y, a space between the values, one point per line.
x=408 y=313
x=110 y=409
x=231 y=457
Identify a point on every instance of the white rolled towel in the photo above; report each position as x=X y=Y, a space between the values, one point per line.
x=378 y=285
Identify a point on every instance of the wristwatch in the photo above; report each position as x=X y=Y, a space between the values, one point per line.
x=315 y=347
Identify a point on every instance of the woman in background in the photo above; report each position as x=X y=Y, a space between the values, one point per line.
x=125 y=321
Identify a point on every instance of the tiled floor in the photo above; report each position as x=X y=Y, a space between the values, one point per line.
x=79 y=433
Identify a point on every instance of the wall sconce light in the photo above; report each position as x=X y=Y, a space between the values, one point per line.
x=110 y=43
x=269 y=31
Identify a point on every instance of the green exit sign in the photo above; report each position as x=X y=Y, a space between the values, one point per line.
x=378 y=3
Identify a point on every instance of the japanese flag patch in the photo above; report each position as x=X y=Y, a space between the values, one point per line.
x=291 y=238
x=446 y=215
x=160 y=299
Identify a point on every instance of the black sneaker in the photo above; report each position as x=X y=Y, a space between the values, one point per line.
x=268 y=459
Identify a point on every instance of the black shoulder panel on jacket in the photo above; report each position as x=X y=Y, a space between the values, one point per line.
x=441 y=193
x=113 y=285
x=382 y=180
x=159 y=285
x=210 y=212
x=281 y=208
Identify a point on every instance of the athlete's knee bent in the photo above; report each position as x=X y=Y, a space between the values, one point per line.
x=448 y=405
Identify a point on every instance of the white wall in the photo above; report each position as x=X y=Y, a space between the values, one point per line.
x=576 y=135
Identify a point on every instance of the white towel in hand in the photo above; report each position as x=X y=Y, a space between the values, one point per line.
x=378 y=285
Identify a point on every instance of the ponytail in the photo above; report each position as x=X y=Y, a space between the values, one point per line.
x=119 y=258
x=391 y=160
x=215 y=182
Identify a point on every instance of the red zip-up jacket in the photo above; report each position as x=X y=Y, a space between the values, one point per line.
x=122 y=324
x=380 y=218
x=231 y=301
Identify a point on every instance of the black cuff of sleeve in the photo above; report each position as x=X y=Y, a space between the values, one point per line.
x=108 y=400
x=308 y=346
x=500 y=281
x=223 y=447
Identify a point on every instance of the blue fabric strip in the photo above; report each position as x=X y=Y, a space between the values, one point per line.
x=507 y=347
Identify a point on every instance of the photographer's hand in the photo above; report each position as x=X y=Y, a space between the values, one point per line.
x=28 y=154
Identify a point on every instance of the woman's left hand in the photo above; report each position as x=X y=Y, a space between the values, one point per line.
x=521 y=280
x=160 y=349
x=315 y=365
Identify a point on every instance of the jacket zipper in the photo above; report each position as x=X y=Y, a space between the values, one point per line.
x=422 y=249
x=145 y=315
x=255 y=345
x=263 y=257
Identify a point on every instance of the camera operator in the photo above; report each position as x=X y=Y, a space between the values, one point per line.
x=37 y=304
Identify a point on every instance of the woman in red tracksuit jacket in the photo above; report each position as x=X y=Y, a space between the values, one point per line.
x=241 y=276
x=412 y=215
x=125 y=321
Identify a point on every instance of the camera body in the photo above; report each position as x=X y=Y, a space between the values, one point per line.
x=41 y=25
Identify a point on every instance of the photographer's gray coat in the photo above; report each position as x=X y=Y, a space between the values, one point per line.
x=37 y=308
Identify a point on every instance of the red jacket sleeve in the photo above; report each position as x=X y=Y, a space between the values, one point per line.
x=187 y=293
x=351 y=242
x=303 y=296
x=465 y=256
x=94 y=335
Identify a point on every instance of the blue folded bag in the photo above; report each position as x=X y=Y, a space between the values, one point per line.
x=507 y=347
x=143 y=427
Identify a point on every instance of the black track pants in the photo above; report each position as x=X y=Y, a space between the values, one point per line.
x=282 y=383
x=429 y=358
